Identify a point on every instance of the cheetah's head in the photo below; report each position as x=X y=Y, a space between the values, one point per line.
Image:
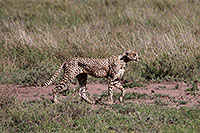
x=130 y=56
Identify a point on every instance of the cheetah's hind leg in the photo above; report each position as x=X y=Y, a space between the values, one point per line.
x=58 y=89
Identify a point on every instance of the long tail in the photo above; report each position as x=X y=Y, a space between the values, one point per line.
x=48 y=82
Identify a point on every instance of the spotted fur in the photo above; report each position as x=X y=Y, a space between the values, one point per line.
x=111 y=68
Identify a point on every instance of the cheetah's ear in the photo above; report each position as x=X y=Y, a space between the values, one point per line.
x=130 y=53
x=126 y=53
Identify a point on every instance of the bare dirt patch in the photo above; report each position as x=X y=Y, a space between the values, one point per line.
x=163 y=94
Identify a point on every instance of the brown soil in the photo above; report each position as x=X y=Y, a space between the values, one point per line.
x=163 y=94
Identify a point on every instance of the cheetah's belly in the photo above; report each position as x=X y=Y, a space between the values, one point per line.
x=99 y=74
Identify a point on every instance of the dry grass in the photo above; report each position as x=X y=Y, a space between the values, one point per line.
x=35 y=36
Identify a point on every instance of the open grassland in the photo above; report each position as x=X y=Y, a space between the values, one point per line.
x=37 y=35
x=72 y=115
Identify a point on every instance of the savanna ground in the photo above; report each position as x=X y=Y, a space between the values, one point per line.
x=162 y=89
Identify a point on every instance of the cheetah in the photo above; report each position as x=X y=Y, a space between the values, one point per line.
x=111 y=68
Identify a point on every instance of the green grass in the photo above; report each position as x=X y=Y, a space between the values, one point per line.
x=175 y=87
x=36 y=36
x=160 y=103
x=71 y=115
x=132 y=85
x=193 y=88
x=133 y=95
x=161 y=95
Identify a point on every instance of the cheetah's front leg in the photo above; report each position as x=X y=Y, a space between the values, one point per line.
x=110 y=93
x=118 y=85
